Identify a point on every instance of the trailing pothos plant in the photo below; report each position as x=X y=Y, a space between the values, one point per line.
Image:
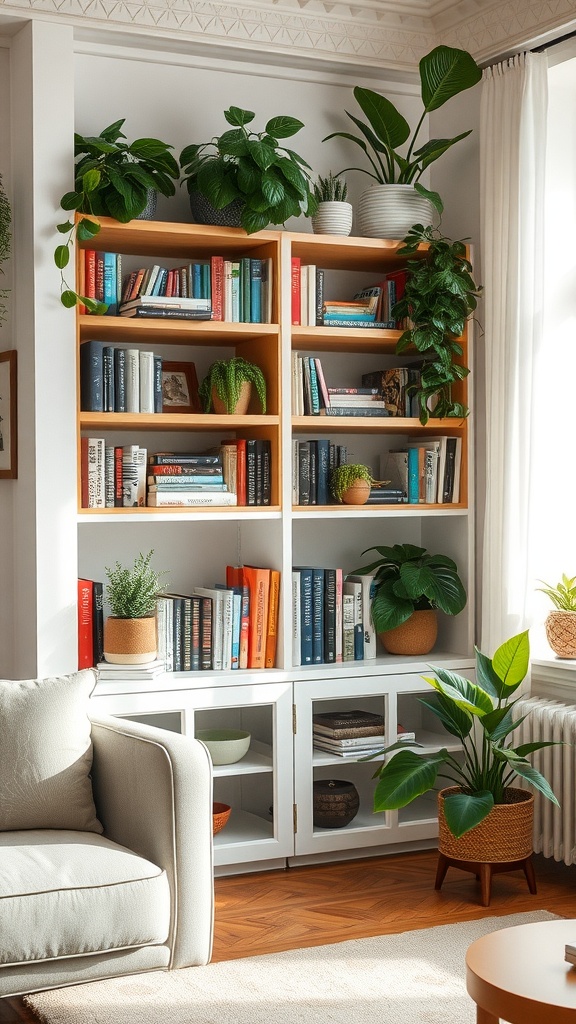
x=112 y=178
x=439 y=298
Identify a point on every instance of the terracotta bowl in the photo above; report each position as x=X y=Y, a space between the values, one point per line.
x=220 y=815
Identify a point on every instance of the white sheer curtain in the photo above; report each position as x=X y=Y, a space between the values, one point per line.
x=513 y=118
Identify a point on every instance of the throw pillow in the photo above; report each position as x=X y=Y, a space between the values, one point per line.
x=46 y=753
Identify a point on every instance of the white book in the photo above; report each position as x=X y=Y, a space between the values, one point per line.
x=132 y=380
x=109 y=475
x=367 y=584
x=146 y=381
x=440 y=447
x=227 y=612
x=351 y=587
x=349 y=752
x=141 y=460
x=162 y=628
x=191 y=498
x=304 y=294
x=216 y=596
x=228 y=290
x=296 y=624
x=96 y=472
x=347 y=627
x=350 y=741
x=130 y=475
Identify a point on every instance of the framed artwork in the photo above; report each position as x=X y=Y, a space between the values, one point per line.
x=8 y=422
x=180 y=387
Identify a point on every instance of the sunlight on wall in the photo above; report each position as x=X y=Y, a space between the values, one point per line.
x=553 y=550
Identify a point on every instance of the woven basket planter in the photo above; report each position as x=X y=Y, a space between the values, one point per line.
x=130 y=641
x=505 y=835
x=415 y=636
x=561 y=633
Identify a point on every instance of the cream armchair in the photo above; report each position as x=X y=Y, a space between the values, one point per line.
x=133 y=895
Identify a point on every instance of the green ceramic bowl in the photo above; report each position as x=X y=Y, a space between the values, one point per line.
x=226 y=746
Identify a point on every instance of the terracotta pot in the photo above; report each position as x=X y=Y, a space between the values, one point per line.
x=130 y=641
x=415 y=636
x=357 y=494
x=505 y=835
x=241 y=407
x=561 y=633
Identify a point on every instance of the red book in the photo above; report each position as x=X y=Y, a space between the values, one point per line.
x=85 y=624
x=90 y=273
x=296 y=266
x=217 y=286
x=272 y=624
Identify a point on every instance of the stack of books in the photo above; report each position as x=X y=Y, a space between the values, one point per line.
x=178 y=307
x=135 y=673
x=187 y=479
x=348 y=733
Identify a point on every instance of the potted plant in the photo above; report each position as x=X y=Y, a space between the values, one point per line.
x=246 y=179
x=227 y=387
x=388 y=212
x=112 y=178
x=482 y=817
x=560 y=624
x=130 y=630
x=334 y=214
x=350 y=484
x=5 y=242
x=409 y=586
x=440 y=295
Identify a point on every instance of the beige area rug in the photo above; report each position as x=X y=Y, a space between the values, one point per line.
x=416 y=977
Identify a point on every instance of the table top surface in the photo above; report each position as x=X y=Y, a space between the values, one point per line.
x=525 y=963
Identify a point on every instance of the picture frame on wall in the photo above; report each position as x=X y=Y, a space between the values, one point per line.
x=180 y=387
x=8 y=418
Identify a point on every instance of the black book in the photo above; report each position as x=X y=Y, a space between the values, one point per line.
x=313 y=472
x=266 y=471
x=98 y=621
x=119 y=380
x=304 y=495
x=322 y=471
x=206 y=633
x=329 y=616
x=319 y=297
x=92 y=376
x=251 y=494
x=448 y=486
x=182 y=459
x=167 y=314
x=177 y=631
x=157 y=383
x=109 y=379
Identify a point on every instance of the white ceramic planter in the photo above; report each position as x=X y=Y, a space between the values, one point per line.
x=333 y=218
x=389 y=211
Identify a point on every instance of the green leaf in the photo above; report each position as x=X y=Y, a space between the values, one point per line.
x=406 y=776
x=68 y=298
x=294 y=175
x=87 y=229
x=533 y=776
x=239 y=117
x=283 y=126
x=511 y=661
x=65 y=227
x=463 y=811
x=272 y=188
x=91 y=180
x=445 y=72
x=72 y=200
x=262 y=155
x=61 y=256
x=434 y=197
x=252 y=221
x=457 y=721
x=389 y=126
x=434 y=149
x=462 y=692
x=233 y=143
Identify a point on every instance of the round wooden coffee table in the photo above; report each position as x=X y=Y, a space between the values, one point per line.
x=520 y=975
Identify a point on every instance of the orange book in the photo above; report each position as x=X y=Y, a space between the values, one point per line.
x=272 y=625
x=258 y=581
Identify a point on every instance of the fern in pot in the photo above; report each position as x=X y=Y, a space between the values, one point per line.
x=227 y=387
x=130 y=630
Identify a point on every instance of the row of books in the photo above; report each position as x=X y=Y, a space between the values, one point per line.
x=312 y=463
x=232 y=625
x=124 y=476
x=428 y=470
x=90 y=623
x=352 y=734
x=311 y=396
x=331 y=620
x=371 y=307
x=238 y=291
x=114 y=379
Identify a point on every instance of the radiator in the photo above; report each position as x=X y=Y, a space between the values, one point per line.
x=554 y=827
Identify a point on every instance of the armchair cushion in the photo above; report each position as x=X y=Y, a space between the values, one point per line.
x=65 y=894
x=46 y=753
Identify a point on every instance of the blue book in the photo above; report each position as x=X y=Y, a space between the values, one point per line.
x=205 y=290
x=255 y=291
x=160 y=282
x=110 y=283
x=109 y=379
x=413 y=477
x=196 y=281
x=245 y=284
x=305 y=614
x=236 y=624
x=314 y=390
x=322 y=470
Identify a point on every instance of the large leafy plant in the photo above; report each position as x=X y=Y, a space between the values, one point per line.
x=271 y=181
x=439 y=298
x=112 y=178
x=481 y=716
x=408 y=579
x=132 y=592
x=444 y=72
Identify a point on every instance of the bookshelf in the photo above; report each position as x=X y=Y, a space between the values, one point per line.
x=271 y=791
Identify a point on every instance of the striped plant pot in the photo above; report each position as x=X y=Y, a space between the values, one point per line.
x=389 y=211
x=333 y=218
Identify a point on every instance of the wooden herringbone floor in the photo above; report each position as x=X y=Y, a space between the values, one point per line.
x=308 y=906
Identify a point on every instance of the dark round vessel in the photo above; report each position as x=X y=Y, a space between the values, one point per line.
x=336 y=803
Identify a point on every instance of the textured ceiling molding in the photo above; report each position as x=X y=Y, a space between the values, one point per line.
x=370 y=33
x=495 y=28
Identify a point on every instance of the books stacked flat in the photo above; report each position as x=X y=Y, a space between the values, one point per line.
x=348 y=733
x=135 y=673
x=187 y=479
x=355 y=402
x=167 y=306
x=570 y=952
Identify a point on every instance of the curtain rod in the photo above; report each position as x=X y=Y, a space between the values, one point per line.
x=553 y=42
